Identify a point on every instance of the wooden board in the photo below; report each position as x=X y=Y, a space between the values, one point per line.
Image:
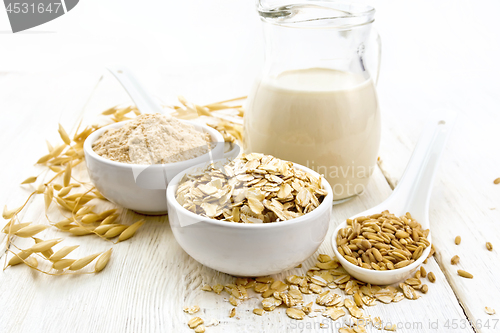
x=434 y=55
x=150 y=278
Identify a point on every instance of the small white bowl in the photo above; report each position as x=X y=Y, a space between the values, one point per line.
x=248 y=249
x=142 y=187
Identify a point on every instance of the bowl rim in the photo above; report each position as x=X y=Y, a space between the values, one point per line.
x=326 y=204
x=362 y=270
x=89 y=151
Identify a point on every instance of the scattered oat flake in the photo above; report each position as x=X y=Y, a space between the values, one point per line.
x=295 y=313
x=199 y=329
x=346 y=330
x=212 y=322
x=258 y=311
x=218 y=288
x=195 y=322
x=206 y=288
x=390 y=327
x=192 y=309
x=489 y=310
x=334 y=313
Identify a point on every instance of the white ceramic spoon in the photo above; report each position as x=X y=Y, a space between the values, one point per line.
x=142 y=99
x=411 y=195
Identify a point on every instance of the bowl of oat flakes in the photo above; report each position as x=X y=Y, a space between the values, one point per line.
x=131 y=163
x=252 y=216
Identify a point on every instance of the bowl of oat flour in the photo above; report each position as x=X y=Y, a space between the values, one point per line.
x=131 y=163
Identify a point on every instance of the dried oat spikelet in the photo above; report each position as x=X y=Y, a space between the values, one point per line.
x=44 y=159
x=50 y=148
x=63 y=203
x=89 y=218
x=130 y=231
x=110 y=219
x=109 y=111
x=19 y=257
x=80 y=231
x=81 y=263
x=84 y=210
x=63 y=263
x=113 y=232
x=45 y=245
x=65 y=225
x=31 y=230
x=64 y=135
x=40 y=189
x=64 y=191
x=58 y=150
x=8 y=214
x=29 y=180
x=67 y=175
x=102 y=229
x=103 y=260
x=32 y=262
x=49 y=194
x=12 y=229
x=63 y=252
x=47 y=253
x=106 y=213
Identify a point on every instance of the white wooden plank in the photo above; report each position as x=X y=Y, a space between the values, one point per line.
x=427 y=65
x=464 y=202
x=31 y=107
x=150 y=279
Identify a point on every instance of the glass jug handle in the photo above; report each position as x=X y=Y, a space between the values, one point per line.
x=379 y=55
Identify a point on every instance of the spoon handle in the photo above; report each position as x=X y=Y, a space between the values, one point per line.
x=142 y=99
x=413 y=190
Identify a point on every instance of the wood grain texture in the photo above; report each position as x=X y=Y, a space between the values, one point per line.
x=150 y=279
x=32 y=105
x=464 y=201
x=426 y=64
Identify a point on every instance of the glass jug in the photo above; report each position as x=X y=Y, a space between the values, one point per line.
x=315 y=102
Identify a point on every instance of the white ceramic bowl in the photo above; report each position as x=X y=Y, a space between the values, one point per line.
x=142 y=187
x=248 y=249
